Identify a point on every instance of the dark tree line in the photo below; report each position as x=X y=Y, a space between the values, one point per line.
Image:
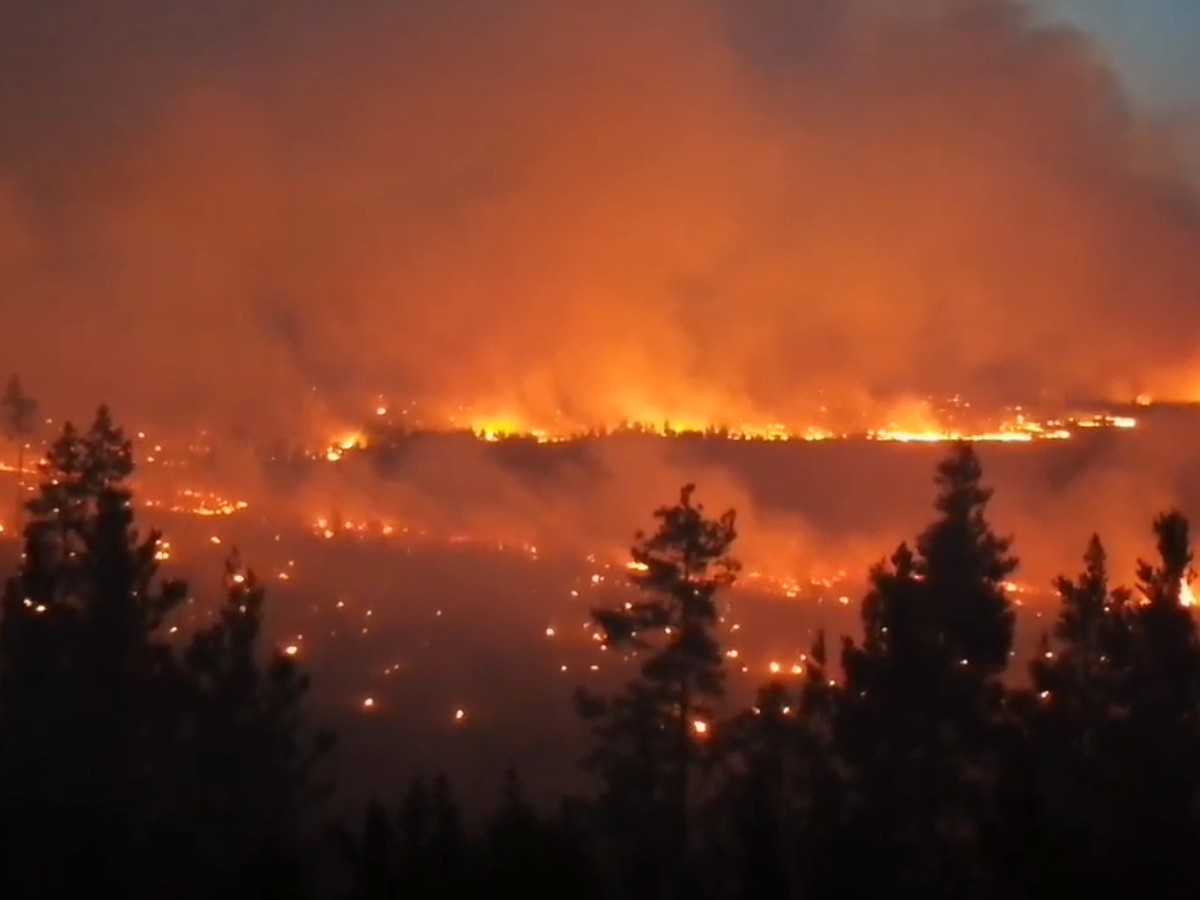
x=112 y=736
x=921 y=768
x=919 y=761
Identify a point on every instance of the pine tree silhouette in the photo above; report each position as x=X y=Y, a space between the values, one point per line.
x=780 y=798
x=85 y=673
x=922 y=703
x=1114 y=728
x=648 y=738
x=1077 y=678
x=255 y=768
x=1060 y=813
x=1159 y=747
x=124 y=767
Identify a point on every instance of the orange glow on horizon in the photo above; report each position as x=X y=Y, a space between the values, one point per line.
x=916 y=423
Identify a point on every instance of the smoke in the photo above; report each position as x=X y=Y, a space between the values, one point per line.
x=608 y=210
x=708 y=211
x=803 y=510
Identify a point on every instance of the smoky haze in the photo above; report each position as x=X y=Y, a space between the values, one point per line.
x=606 y=209
x=805 y=510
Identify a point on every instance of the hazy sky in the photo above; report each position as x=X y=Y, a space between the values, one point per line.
x=1155 y=43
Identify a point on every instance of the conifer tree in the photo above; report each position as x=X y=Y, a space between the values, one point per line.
x=647 y=738
x=1064 y=777
x=921 y=704
x=963 y=566
x=822 y=780
x=1166 y=650
x=632 y=745
x=150 y=773
x=86 y=676
x=255 y=766
x=779 y=794
x=1076 y=663
x=1077 y=677
x=1115 y=728
x=1159 y=745
x=760 y=800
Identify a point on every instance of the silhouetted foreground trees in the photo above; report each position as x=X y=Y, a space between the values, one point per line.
x=139 y=760
x=131 y=757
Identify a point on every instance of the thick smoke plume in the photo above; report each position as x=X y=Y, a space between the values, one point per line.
x=706 y=210
x=714 y=210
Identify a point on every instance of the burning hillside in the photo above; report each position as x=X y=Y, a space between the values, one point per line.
x=954 y=420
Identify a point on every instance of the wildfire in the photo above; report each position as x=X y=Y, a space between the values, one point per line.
x=200 y=503
x=921 y=425
x=340 y=446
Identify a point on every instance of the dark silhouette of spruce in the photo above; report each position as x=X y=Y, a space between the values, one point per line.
x=125 y=766
x=647 y=751
x=921 y=708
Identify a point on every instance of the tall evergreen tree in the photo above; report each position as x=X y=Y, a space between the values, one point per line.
x=780 y=799
x=1114 y=720
x=1160 y=743
x=1077 y=677
x=922 y=700
x=648 y=737
x=149 y=773
x=85 y=674
x=254 y=770
x=1166 y=650
x=1063 y=826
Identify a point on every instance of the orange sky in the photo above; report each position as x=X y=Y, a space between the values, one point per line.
x=606 y=208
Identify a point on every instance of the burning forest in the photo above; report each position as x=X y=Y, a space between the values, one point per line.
x=516 y=478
